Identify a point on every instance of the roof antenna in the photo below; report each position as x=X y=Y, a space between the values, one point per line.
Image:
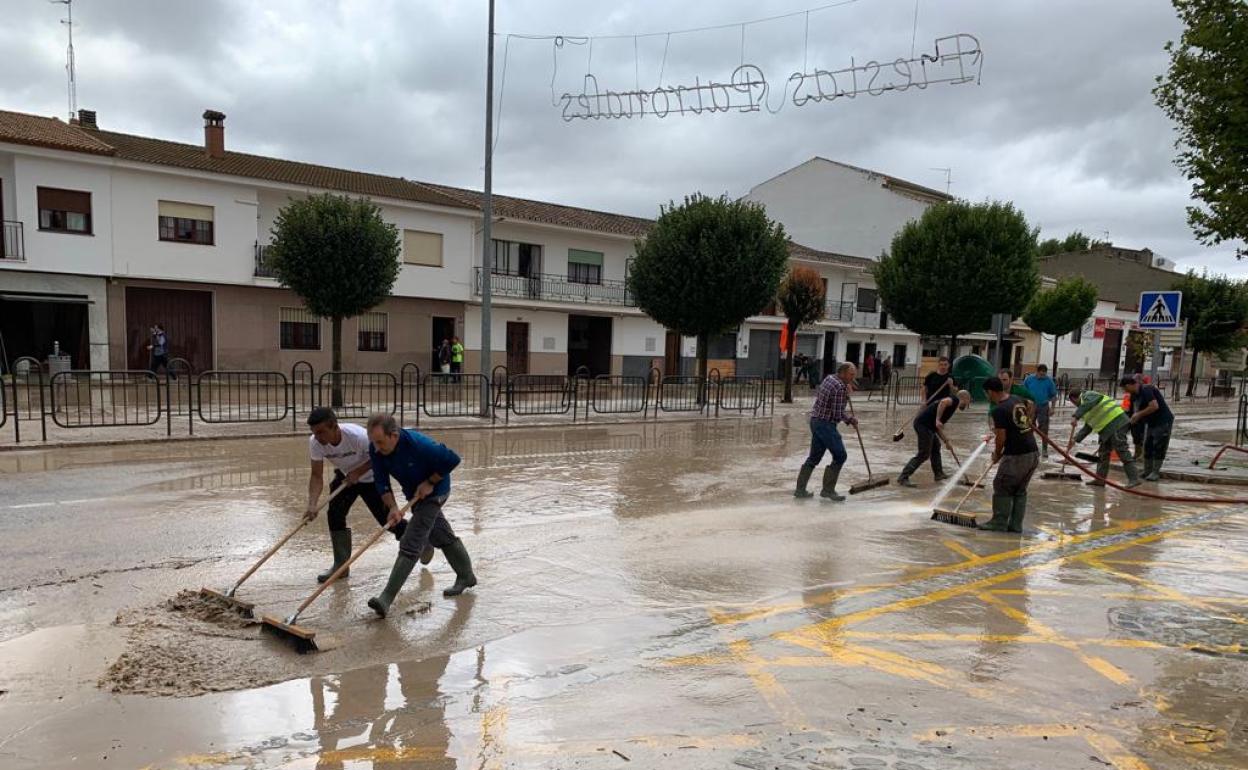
x=948 y=177
x=69 y=55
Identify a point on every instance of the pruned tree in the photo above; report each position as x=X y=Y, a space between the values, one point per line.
x=339 y=255
x=1215 y=311
x=1205 y=92
x=949 y=271
x=1062 y=309
x=707 y=265
x=801 y=298
x=1075 y=241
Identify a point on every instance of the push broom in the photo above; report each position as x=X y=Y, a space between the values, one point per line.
x=870 y=483
x=956 y=516
x=227 y=599
x=304 y=639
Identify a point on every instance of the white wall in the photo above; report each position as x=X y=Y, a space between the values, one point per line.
x=832 y=208
x=63 y=252
x=542 y=324
x=96 y=291
x=555 y=243
x=630 y=333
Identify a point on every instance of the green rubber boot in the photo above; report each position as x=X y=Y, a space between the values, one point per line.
x=1017 y=511
x=457 y=555
x=803 y=477
x=403 y=567
x=1002 y=508
x=830 y=475
x=340 y=539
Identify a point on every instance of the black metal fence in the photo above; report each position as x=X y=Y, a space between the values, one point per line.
x=138 y=398
x=1241 y=421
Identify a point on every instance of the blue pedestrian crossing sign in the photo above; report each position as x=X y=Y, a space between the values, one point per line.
x=1160 y=309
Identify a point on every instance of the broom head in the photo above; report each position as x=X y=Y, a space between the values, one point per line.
x=868 y=484
x=1060 y=475
x=954 y=517
x=303 y=639
x=238 y=605
x=899 y=435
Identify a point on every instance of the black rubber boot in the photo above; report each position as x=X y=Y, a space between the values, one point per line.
x=905 y=481
x=1002 y=509
x=803 y=477
x=830 y=475
x=457 y=555
x=340 y=539
x=1017 y=511
x=403 y=567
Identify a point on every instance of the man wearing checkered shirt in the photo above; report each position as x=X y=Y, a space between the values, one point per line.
x=829 y=410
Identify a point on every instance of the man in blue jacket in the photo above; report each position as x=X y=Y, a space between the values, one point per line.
x=423 y=468
x=1044 y=390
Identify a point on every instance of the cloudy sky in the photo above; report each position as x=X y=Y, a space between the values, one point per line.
x=1063 y=122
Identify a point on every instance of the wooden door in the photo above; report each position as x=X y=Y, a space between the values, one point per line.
x=671 y=355
x=1111 y=350
x=186 y=316
x=517 y=347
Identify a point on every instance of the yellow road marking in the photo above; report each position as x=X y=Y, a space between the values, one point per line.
x=1177 y=596
x=765 y=682
x=1097 y=664
x=1115 y=753
x=961 y=550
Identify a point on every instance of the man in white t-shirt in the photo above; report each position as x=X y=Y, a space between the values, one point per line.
x=345 y=446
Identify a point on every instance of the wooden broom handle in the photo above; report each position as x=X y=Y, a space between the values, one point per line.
x=303 y=523
x=850 y=403
x=974 y=486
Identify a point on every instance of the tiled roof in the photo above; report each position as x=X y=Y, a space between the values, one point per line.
x=141 y=149
x=555 y=213
x=21 y=128
x=798 y=251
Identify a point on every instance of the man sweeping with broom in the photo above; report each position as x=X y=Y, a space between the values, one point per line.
x=828 y=412
x=423 y=468
x=1016 y=455
x=927 y=427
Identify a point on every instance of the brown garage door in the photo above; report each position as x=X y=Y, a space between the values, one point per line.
x=187 y=318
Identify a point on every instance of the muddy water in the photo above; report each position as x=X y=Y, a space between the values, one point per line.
x=648 y=590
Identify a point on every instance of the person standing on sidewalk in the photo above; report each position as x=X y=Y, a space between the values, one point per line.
x=457 y=358
x=1104 y=416
x=934 y=382
x=829 y=411
x=1016 y=455
x=423 y=468
x=1044 y=391
x=1149 y=409
x=927 y=427
x=345 y=445
x=444 y=357
x=159 y=350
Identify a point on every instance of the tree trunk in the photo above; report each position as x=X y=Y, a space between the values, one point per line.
x=335 y=325
x=953 y=348
x=1191 y=378
x=703 y=349
x=788 y=364
x=1056 y=339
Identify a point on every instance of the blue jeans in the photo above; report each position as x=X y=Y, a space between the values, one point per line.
x=824 y=437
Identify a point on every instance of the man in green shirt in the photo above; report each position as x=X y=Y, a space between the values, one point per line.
x=1013 y=389
x=1105 y=417
x=457 y=358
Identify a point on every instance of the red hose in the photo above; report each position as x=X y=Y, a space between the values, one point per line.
x=1222 y=451
x=1137 y=491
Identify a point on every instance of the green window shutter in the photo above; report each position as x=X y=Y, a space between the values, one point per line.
x=579 y=257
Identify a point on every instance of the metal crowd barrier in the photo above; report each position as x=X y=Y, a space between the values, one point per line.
x=358 y=394
x=242 y=396
x=115 y=398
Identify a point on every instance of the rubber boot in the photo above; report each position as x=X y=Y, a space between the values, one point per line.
x=1002 y=509
x=403 y=567
x=1018 y=510
x=830 y=475
x=904 y=481
x=1133 y=473
x=340 y=539
x=803 y=477
x=1154 y=472
x=1147 y=475
x=457 y=555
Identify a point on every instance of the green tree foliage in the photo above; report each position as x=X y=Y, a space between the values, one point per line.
x=1216 y=313
x=338 y=255
x=1075 y=241
x=1061 y=310
x=707 y=265
x=950 y=270
x=801 y=299
x=1205 y=92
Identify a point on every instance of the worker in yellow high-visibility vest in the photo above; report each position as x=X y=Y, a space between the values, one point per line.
x=1105 y=417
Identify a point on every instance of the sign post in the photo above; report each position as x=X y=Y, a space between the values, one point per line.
x=1159 y=310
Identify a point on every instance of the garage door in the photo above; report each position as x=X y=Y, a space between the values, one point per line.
x=186 y=316
x=764 y=354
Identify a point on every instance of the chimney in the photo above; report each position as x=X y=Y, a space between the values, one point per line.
x=86 y=119
x=214 y=133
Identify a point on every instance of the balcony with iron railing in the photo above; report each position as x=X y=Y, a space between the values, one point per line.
x=555 y=288
x=839 y=311
x=263 y=270
x=13 y=242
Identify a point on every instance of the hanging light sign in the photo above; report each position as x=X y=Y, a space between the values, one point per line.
x=954 y=60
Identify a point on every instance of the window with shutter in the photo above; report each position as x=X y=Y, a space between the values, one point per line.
x=64 y=211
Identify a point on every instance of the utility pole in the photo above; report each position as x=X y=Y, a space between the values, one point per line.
x=487 y=207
